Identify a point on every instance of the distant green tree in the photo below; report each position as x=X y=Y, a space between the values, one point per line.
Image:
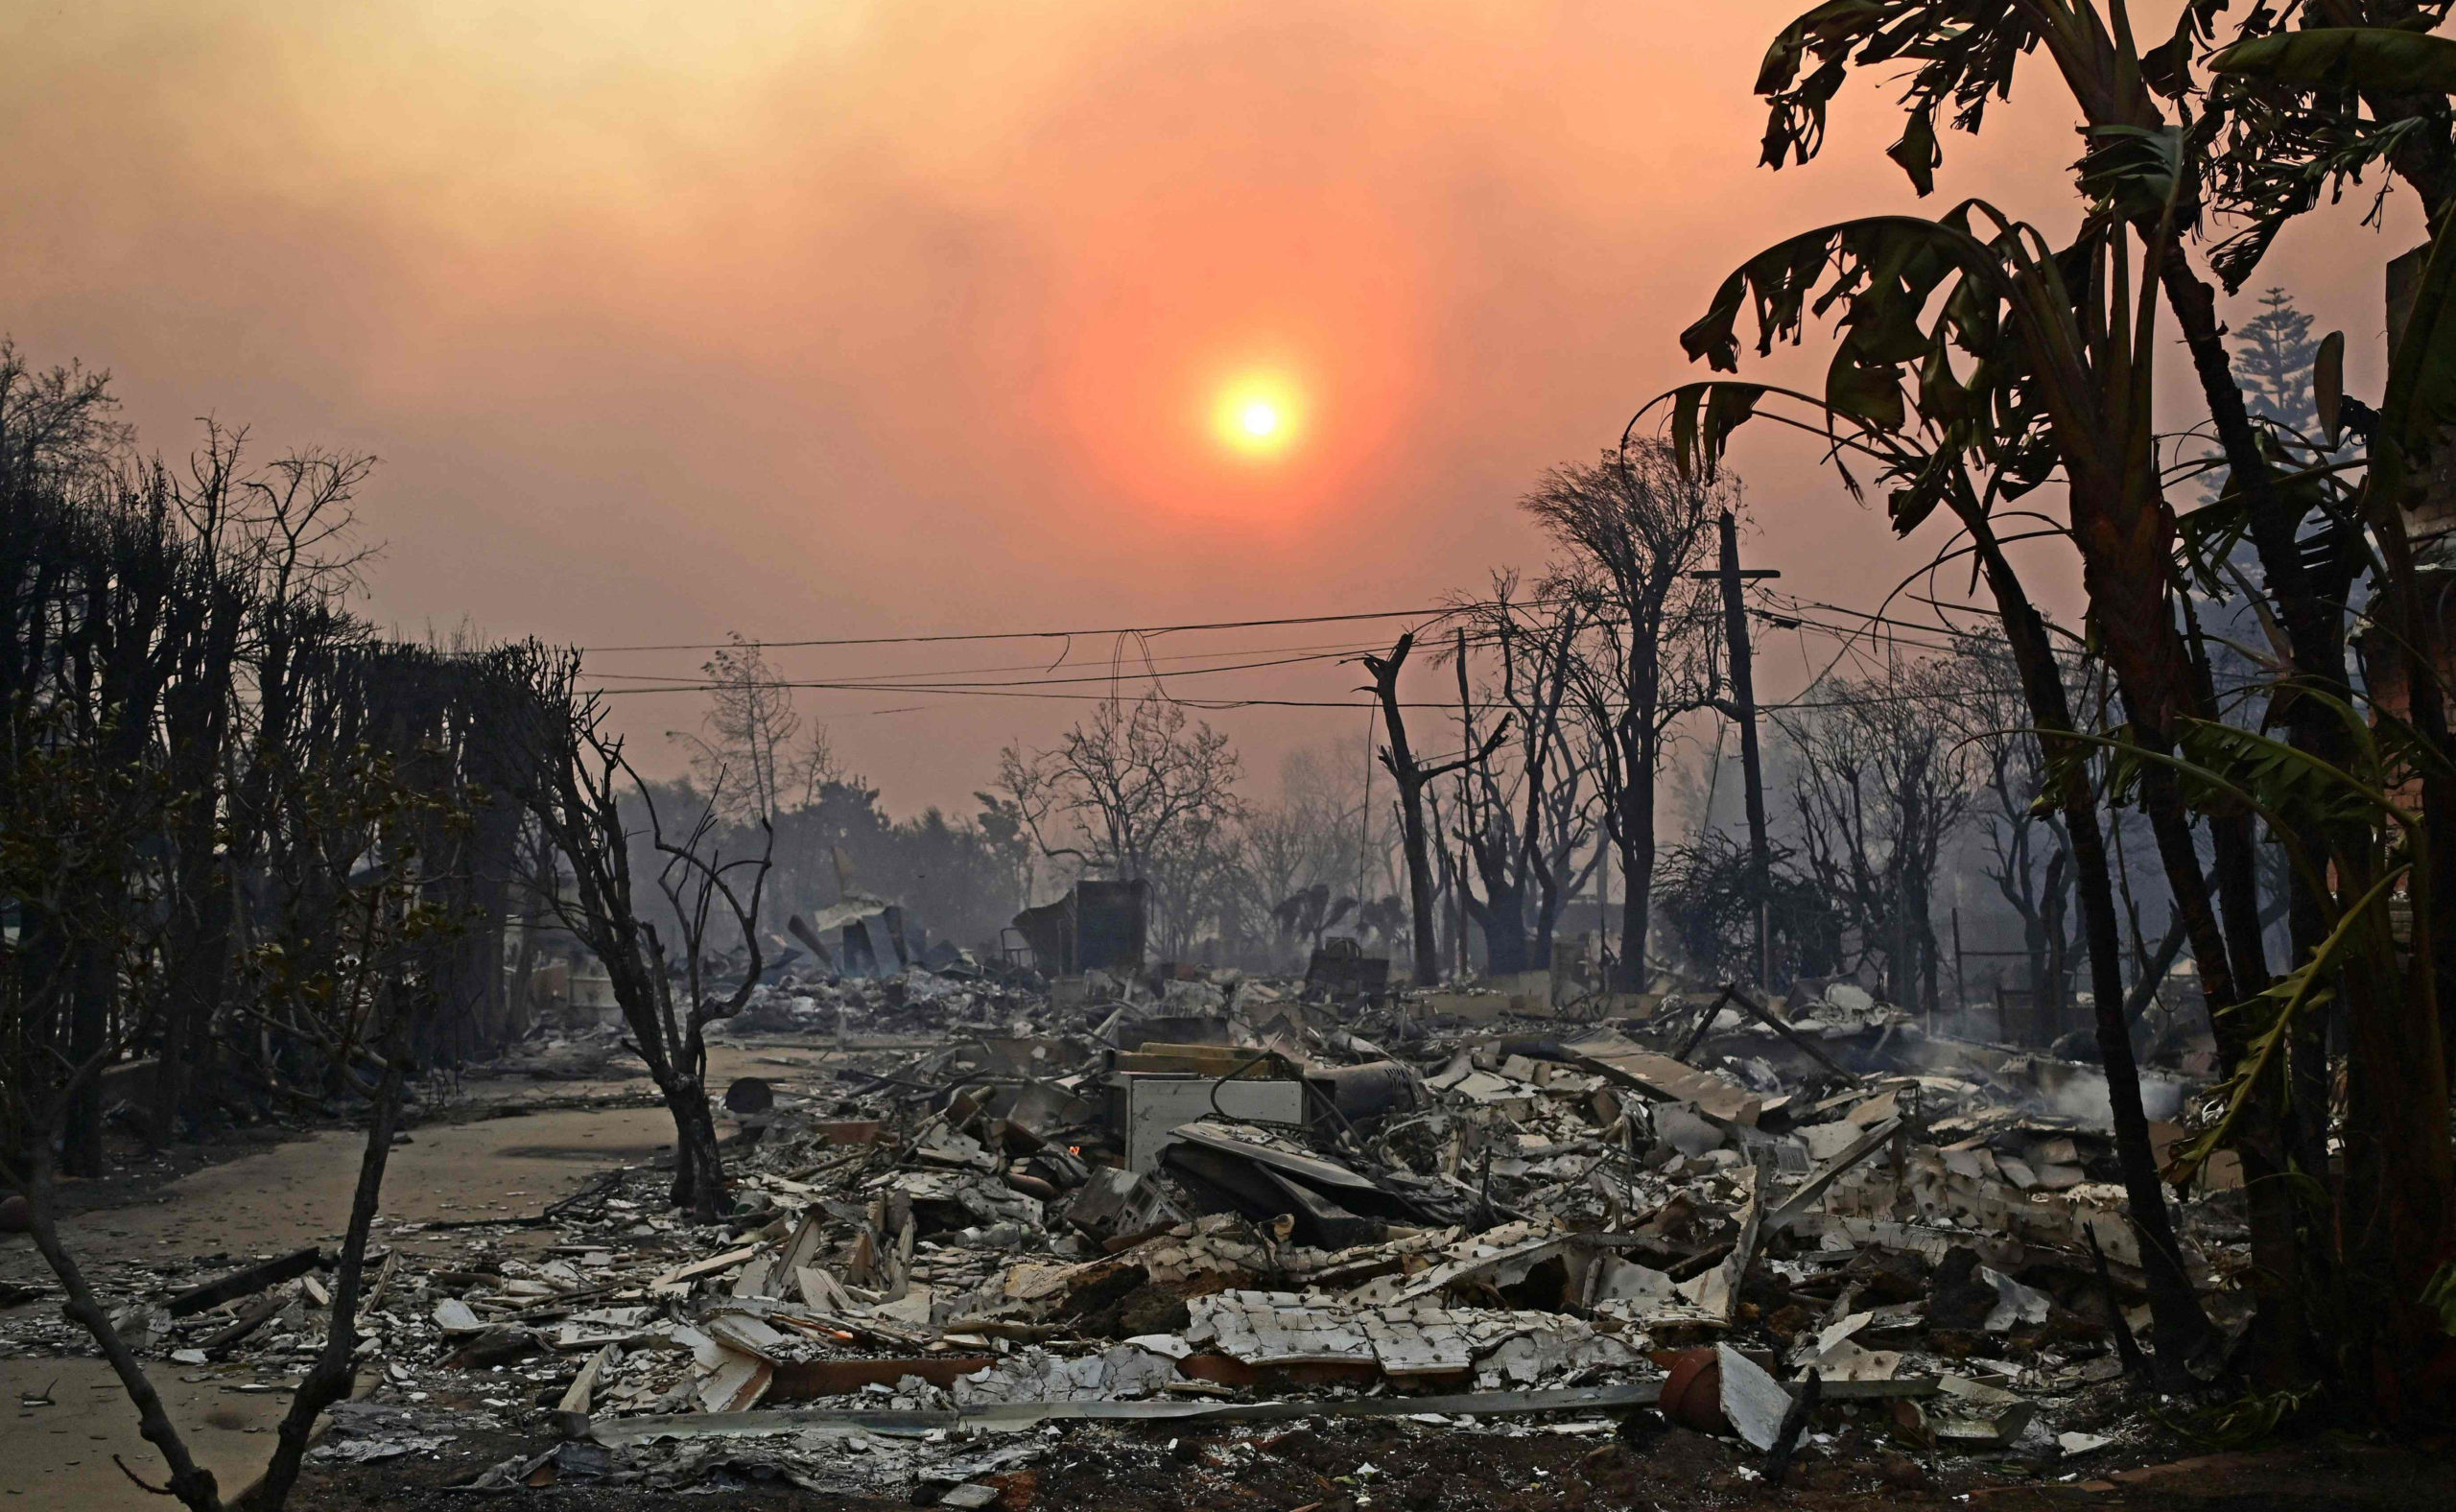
x=2273 y=356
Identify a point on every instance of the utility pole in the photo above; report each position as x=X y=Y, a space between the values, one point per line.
x=1457 y=899
x=1466 y=805
x=1603 y=906
x=1961 y=988
x=1741 y=707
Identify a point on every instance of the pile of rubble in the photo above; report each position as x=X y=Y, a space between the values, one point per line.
x=980 y=1210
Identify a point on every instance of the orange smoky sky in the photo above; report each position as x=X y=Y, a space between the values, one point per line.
x=840 y=318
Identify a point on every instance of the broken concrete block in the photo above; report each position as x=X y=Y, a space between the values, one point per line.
x=455 y=1316
x=2015 y=1303
x=1680 y=1126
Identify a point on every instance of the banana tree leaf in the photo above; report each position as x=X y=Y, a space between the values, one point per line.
x=1703 y=418
x=1884 y=268
x=1958 y=56
x=2133 y=170
x=1917 y=153
x=2307 y=986
x=2371 y=57
x=2290 y=784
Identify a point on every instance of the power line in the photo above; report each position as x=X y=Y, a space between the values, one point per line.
x=1121 y=666
x=1118 y=670
x=1847 y=633
x=1323 y=651
x=1117 y=665
x=1212 y=705
x=1439 y=612
x=2064 y=652
x=1878 y=619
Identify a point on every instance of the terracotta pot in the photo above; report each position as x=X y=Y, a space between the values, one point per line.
x=1692 y=1394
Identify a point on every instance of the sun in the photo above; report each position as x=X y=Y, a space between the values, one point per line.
x=1256 y=415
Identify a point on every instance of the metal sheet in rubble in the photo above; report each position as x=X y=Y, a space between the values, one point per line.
x=1159 y=1108
x=1303 y=1168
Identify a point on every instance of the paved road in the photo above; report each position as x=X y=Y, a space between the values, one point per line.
x=289 y=1195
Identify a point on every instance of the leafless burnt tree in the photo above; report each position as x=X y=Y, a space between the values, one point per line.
x=575 y=790
x=1524 y=819
x=1413 y=776
x=1635 y=528
x=1880 y=780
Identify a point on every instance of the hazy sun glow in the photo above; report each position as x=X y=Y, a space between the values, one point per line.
x=1256 y=415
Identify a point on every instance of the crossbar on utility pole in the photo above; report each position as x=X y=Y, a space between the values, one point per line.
x=1743 y=710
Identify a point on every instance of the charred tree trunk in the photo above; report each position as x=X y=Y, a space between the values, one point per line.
x=206 y=624
x=1412 y=777
x=1637 y=843
x=335 y=1372
x=189 y=1482
x=1501 y=917
x=2182 y=1329
x=199 y=974
x=699 y=1167
x=576 y=776
x=493 y=861
x=91 y=978
x=2055 y=989
x=2401 y=1198
x=1413 y=841
x=2125 y=535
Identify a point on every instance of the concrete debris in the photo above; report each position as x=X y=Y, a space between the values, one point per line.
x=975 y=1199
x=1974 y=1414
x=1120 y=1372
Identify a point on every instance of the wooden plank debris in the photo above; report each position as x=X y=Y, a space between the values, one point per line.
x=1815 y=1052
x=576 y=1395
x=1664 y=1079
x=683 y=1274
x=245 y=1281
x=1803 y=1197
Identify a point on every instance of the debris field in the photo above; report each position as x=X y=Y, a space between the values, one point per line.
x=987 y=1232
